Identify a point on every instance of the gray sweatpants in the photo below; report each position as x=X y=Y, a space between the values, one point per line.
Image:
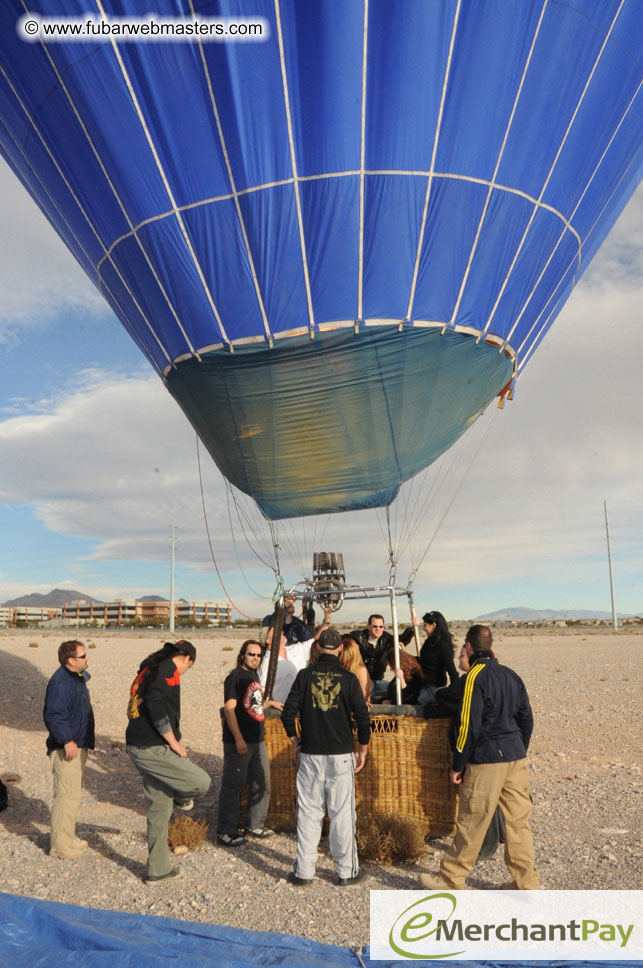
x=166 y=777
x=326 y=784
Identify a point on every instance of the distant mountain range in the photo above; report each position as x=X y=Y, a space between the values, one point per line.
x=53 y=599
x=543 y=615
x=65 y=596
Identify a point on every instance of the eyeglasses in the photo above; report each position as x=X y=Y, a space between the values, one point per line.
x=254 y=655
x=377 y=626
x=83 y=656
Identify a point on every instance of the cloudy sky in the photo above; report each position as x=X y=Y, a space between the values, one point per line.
x=96 y=459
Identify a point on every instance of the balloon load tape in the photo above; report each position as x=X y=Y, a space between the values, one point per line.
x=328 y=579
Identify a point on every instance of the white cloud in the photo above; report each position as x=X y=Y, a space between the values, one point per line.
x=38 y=276
x=113 y=459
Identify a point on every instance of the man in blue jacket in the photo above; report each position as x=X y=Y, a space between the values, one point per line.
x=69 y=718
x=493 y=729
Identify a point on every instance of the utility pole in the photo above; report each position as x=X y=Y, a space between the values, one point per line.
x=609 y=560
x=172 y=536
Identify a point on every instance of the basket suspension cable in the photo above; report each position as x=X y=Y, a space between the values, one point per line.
x=288 y=543
x=392 y=561
x=455 y=493
x=441 y=479
x=425 y=500
x=258 y=534
x=275 y=545
x=236 y=550
x=207 y=530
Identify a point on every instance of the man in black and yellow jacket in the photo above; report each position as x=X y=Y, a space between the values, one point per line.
x=493 y=729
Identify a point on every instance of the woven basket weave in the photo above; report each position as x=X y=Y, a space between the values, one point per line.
x=406 y=773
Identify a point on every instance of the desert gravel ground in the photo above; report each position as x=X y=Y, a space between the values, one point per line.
x=585 y=687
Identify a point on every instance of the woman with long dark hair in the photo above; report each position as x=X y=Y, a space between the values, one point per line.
x=410 y=675
x=153 y=740
x=436 y=655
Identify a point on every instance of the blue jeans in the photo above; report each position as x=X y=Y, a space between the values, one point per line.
x=427 y=695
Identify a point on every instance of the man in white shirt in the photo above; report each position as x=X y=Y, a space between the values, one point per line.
x=292 y=658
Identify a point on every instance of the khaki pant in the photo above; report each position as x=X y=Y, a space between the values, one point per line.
x=485 y=785
x=68 y=781
x=166 y=776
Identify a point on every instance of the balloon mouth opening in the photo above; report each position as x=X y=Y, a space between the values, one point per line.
x=337 y=423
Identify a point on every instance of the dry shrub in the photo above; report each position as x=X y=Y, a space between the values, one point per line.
x=390 y=839
x=33 y=645
x=227 y=648
x=91 y=646
x=186 y=832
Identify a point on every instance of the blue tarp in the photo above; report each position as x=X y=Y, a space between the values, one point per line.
x=44 y=934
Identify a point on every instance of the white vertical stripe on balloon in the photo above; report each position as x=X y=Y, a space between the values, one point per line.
x=553 y=168
x=436 y=139
x=235 y=194
x=293 y=162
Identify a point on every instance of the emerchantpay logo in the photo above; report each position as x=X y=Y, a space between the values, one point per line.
x=506 y=925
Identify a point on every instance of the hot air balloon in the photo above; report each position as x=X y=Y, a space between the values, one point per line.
x=338 y=243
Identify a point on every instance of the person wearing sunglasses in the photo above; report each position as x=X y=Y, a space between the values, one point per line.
x=245 y=758
x=374 y=642
x=69 y=717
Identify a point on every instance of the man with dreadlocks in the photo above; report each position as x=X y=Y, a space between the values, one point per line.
x=154 y=745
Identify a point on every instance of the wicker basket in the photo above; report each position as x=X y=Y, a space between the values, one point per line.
x=406 y=773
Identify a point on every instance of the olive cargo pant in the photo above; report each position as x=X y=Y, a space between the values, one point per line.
x=166 y=777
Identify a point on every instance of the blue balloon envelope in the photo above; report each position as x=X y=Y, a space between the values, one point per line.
x=339 y=241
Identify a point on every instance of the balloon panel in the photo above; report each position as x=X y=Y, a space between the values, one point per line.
x=345 y=172
x=339 y=422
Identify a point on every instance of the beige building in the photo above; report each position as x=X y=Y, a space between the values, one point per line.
x=13 y=614
x=128 y=610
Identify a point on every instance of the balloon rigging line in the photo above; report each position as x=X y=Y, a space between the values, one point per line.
x=207 y=530
x=299 y=545
x=455 y=493
x=257 y=524
x=236 y=550
x=274 y=534
x=443 y=482
x=288 y=542
x=440 y=480
x=258 y=536
x=326 y=523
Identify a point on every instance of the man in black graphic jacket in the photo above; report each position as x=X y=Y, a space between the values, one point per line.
x=326 y=698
